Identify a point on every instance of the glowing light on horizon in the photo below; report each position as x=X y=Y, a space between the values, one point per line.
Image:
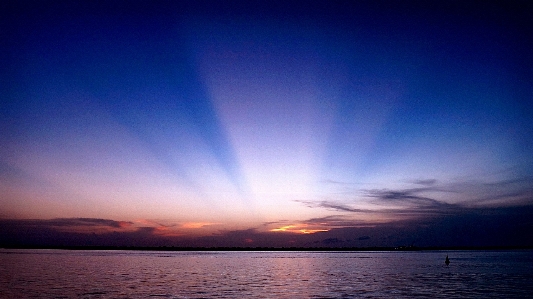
x=298 y=229
x=282 y=229
x=312 y=231
x=195 y=225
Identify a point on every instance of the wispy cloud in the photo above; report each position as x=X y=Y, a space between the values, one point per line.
x=424 y=199
x=408 y=198
x=340 y=207
x=425 y=182
x=335 y=182
x=336 y=221
x=332 y=205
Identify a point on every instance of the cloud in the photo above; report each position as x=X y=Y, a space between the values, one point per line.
x=336 y=221
x=90 y=222
x=426 y=182
x=340 y=207
x=195 y=225
x=73 y=224
x=387 y=202
x=512 y=226
x=471 y=227
x=300 y=228
x=77 y=232
x=410 y=198
x=431 y=213
x=335 y=182
x=332 y=206
x=430 y=198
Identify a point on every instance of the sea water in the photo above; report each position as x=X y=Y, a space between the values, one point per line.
x=162 y=274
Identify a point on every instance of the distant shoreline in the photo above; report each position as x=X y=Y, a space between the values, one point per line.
x=273 y=249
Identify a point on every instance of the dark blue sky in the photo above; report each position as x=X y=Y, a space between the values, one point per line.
x=200 y=117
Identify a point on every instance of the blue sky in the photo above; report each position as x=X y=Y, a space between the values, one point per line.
x=202 y=118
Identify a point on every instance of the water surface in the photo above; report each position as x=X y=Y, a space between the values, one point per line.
x=151 y=274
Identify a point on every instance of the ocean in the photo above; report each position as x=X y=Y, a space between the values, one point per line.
x=213 y=274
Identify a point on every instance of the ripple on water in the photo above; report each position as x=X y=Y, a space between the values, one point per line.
x=70 y=274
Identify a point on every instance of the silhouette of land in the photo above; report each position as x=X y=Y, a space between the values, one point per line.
x=332 y=249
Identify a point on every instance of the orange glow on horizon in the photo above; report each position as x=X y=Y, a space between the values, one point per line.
x=194 y=225
x=312 y=231
x=282 y=229
x=298 y=228
x=124 y=224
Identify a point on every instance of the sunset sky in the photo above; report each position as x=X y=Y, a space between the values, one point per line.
x=248 y=123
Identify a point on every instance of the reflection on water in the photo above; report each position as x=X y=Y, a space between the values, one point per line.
x=135 y=274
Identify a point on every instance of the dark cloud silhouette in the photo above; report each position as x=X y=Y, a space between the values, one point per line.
x=473 y=227
x=512 y=226
x=75 y=232
x=432 y=197
x=68 y=222
x=422 y=215
x=410 y=198
x=400 y=202
x=330 y=241
x=86 y=222
x=432 y=213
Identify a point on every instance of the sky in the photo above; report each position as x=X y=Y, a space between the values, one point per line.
x=266 y=123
